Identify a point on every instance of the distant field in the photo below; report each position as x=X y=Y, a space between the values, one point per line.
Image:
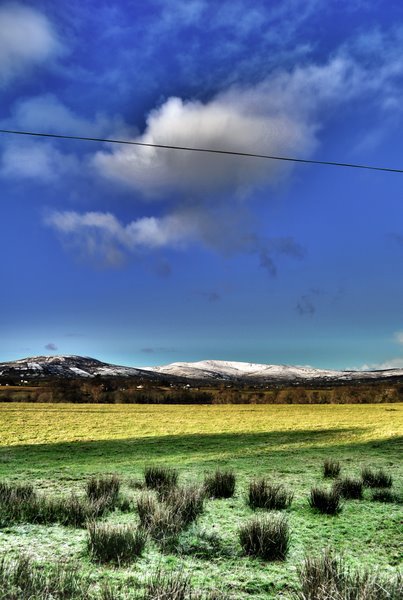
x=58 y=446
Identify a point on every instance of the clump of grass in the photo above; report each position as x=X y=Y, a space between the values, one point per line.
x=19 y=491
x=117 y=544
x=22 y=579
x=349 y=488
x=172 y=586
x=147 y=504
x=263 y=494
x=175 y=585
x=375 y=479
x=327 y=577
x=41 y=509
x=160 y=478
x=266 y=537
x=331 y=468
x=167 y=517
x=164 y=526
x=187 y=503
x=384 y=495
x=325 y=501
x=220 y=484
x=105 y=488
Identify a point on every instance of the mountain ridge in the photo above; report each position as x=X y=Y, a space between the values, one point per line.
x=206 y=370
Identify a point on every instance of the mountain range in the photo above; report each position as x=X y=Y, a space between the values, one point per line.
x=40 y=367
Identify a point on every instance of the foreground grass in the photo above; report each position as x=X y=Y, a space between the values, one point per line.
x=57 y=447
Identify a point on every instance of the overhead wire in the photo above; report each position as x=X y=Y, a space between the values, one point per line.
x=204 y=150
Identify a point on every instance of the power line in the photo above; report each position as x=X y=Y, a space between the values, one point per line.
x=206 y=150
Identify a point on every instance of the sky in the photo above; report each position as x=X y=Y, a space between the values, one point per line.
x=145 y=256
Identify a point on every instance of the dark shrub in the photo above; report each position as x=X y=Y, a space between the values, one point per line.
x=375 y=479
x=105 y=488
x=263 y=494
x=160 y=478
x=22 y=579
x=327 y=577
x=348 y=488
x=220 y=484
x=325 y=501
x=115 y=543
x=331 y=468
x=266 y=537
x=384 y=496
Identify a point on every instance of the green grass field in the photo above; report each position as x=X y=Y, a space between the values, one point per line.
x=57 y=447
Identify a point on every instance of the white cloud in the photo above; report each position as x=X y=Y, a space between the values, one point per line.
x=27 y=39
x=46 y=113
x=399 y=337
x=102 y=235
x=205 y=196
x=36 y=161
x=280 y=116
x=393 y=363
x=41 y=158
x=238 y=120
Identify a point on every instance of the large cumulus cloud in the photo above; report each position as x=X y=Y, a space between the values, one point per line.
x=207 y=198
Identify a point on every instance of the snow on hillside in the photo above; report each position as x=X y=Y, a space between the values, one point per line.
x=220 y=369
x=213 y=370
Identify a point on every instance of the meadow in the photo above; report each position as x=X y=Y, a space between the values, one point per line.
x=57 y=448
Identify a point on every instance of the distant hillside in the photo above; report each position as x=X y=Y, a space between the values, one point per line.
x=87 y=380
x=208 y=371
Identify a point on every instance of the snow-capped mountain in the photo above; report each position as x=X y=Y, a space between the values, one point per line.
x=68 y=366
x=206 y=370
x=227 y=370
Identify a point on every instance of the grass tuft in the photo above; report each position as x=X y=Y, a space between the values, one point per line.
x=160 y=478
x=263 y=494
x=22 y=579
x=147 y=504
x=119 y=544
x=220 y=484
x=349 y=488
x=176 y=585
x=325 y=501
x=375 y=479
x=327 y=577
x=41 y=509
x=331 y=468
x=105 y=488
x=18 y=491
x=164 y=519
x=384 y=495
x=266 y=537
x=187 y=503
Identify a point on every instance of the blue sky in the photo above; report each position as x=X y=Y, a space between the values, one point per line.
x=141 y=256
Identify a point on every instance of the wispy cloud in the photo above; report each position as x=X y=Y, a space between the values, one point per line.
x=399 y=337
x=154 y=350
x=27 y=39
x=44 y=159
x=102 y=235
x=393 y=363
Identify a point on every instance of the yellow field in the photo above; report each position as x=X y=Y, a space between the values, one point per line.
x=59 y=423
